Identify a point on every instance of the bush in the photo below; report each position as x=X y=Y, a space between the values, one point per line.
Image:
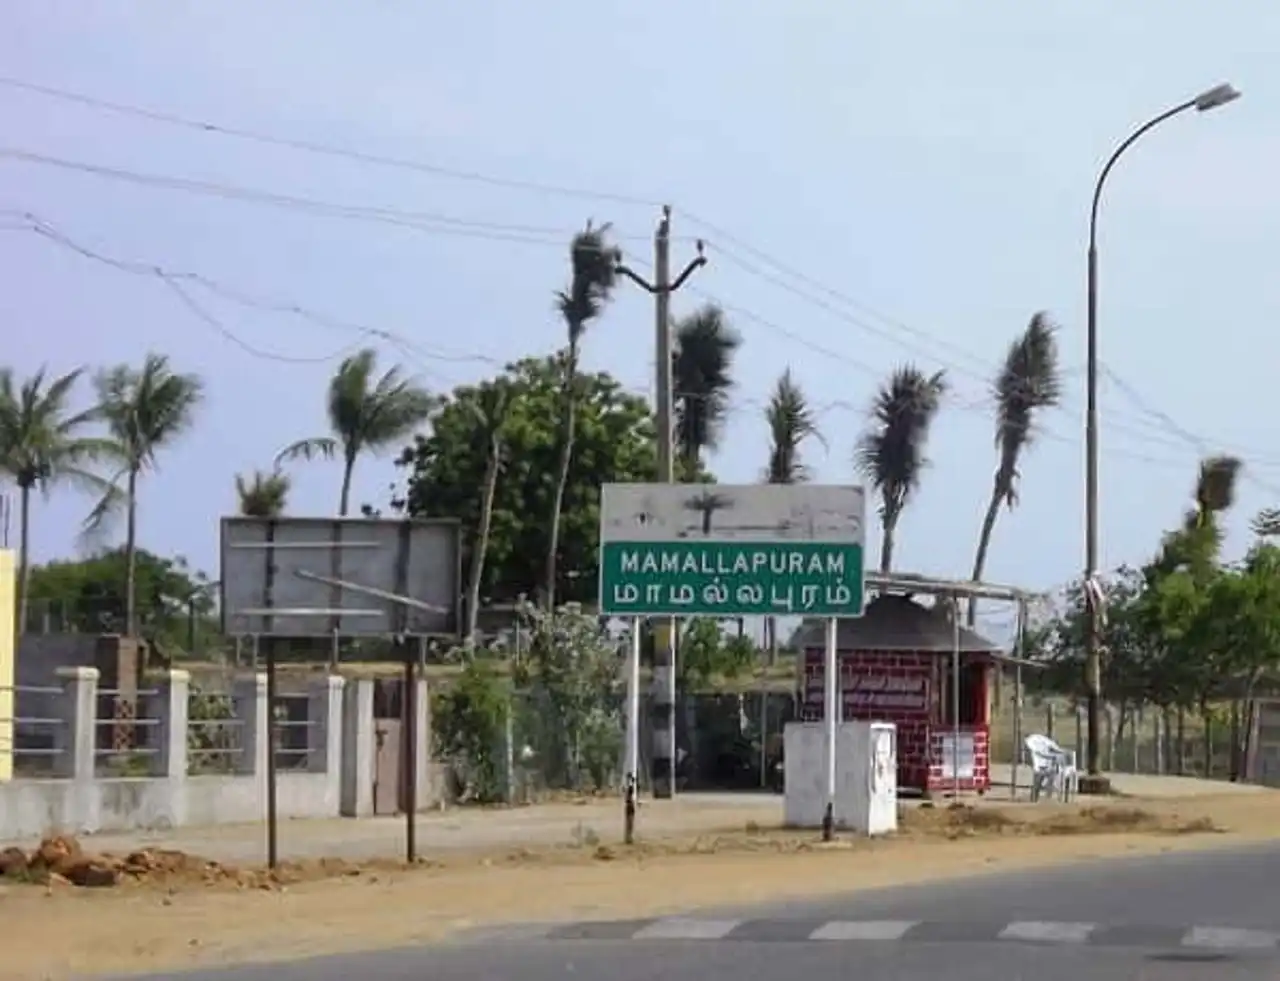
x=468 y=722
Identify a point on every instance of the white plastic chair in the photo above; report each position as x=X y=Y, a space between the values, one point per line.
x=1052 y=768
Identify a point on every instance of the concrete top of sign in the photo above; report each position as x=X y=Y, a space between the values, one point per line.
x=897 y=623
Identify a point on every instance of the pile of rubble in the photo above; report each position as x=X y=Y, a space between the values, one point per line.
x=61 y=859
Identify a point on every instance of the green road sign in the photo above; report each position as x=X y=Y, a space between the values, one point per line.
x=731 y=578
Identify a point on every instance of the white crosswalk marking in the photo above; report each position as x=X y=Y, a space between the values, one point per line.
x=1227 y=938
x=863 y=930
x=685 y=929
x=1048 y=932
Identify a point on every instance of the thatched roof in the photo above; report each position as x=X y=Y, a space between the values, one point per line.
x=893 y=622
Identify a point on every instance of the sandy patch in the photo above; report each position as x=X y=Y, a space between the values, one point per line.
x=173 y=911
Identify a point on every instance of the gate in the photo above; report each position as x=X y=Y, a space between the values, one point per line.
x=386 y=766
x=388 y=752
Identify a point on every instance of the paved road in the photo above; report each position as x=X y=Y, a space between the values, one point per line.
x=1209 y=916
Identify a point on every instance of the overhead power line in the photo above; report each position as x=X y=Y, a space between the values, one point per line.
x=181 y=282
x=325 y=149
x=724 y=239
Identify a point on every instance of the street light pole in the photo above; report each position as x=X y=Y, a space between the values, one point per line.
x=1217 y=96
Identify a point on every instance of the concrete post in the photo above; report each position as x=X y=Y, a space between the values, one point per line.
x=324 y=734
x=356 y=787
x=426 y=792
x=172 y=718
x=249 y=705
x=76 y=735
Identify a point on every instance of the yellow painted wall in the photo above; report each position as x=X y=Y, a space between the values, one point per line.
x=8 y=600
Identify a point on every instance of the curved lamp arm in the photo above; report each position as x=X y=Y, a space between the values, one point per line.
x=1212 y=98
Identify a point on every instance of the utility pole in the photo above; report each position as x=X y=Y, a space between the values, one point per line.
x=663 y=692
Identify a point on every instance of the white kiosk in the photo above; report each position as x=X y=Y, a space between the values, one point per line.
x=866 y=777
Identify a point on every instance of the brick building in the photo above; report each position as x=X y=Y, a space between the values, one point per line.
x=897 y=665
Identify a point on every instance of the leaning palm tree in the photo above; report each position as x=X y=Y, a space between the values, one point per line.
x=701 y=378
x=42 y=443
x=1196 y=545
x=1028 y=383
x=263 y=495
x=791 y=423
x=492 y=409
x=891 y=453
x=365 y=414
x=145 y=409
x=594 y=273
x=1266 y=523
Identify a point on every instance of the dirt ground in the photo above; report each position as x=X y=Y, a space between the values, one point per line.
x=171 y=910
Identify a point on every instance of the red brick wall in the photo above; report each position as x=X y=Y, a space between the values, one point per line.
x=981 y=779
x=897 y=687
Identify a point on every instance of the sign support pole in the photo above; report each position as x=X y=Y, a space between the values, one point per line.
x=409 y=703
x=830 y=711
x=633 y=735
x=955 y=698
x=272 y=733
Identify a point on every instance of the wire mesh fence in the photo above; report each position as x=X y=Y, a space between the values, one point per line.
x=1138 y=739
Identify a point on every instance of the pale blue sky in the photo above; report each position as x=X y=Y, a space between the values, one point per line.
x=929 y=160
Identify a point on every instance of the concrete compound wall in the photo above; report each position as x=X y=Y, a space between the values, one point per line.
x=337 y=781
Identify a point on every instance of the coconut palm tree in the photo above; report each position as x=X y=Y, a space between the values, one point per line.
x=263 y=495
x=365 y=414
x=43 y=443
x=1028 y=383
x=1266 y=523
x=791 y=423
x=145 y=410
x=492 y=408
x=701 y=378
x=594 y=273
x=891 y=453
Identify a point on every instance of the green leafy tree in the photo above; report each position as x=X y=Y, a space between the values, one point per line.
x=706 y=653
x=367 y=414
x=702 y=378
x=1029 y=382
x=43 y=442
x=263 y=495
x=891 y=453
x=145 y=410
x=594 y=273
x=614 y=442
x=174 y=603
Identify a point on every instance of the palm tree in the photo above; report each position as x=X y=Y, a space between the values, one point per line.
x=891 y=453
x=594 y=273
x=364 y=414
x=1266 y=523
x=41 y=444
x=145 y=410
x=701 y=379
x=791 y=422
x=1029 y=382
x=492 y=408
x=263 y=495
x=1196 y=545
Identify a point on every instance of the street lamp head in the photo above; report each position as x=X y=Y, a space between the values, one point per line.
x=1219 y=95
